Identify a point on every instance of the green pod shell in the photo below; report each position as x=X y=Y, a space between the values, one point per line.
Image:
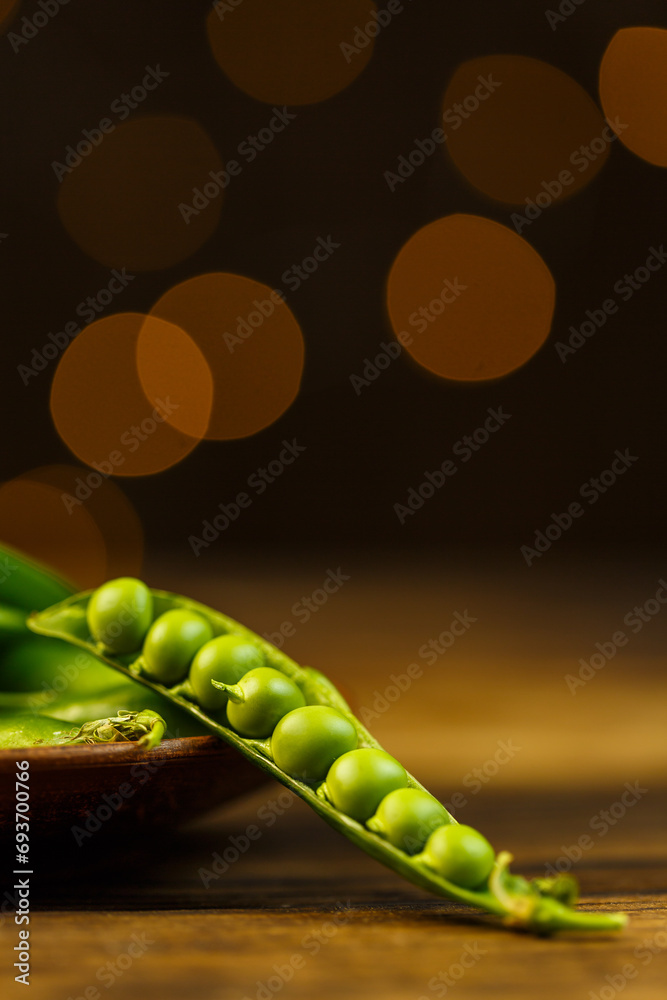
x=129 y=696
x=12 y=624
x=26 y=583
x=54 y=668
x=26 y=729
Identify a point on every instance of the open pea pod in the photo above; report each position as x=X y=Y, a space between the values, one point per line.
x=43 y=676
x=542 y=905
x=22 y=730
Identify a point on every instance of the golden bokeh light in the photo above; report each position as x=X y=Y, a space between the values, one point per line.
x=633 y=90
x=101 y=410
x=111 y=510
x=84 y=494
x=469 y=299
x=9 y=10
x=169 y=361
x=35 y=520
x=147 y=196
x=518 y=128
x=295 y=51
x=251 y=341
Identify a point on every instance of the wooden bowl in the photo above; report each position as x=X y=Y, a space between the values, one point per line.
x=85 y=793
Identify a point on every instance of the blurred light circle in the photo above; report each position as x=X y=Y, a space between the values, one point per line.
x=111 y=510
x=252 y=342
x=633 y=90
x=9 y=9
x=295 y=51
x=147 y=196
x=36 y=521
x=83 y=494
x=515 y=126
x=101 y=410
x=170 y=363
x=470 y=299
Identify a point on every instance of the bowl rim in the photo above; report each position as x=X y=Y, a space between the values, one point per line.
x=111 y=754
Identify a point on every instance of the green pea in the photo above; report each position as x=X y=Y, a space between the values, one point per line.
x=359 y=780
x=172 y=641
x=307 y=741
x=226 y=658
x=119 y=614
x=407 y=817
x=260 y=700
x=460 y=854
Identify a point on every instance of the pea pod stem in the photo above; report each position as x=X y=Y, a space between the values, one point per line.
x=234 y=691
x=262 y=746
x=184 y=689
x=155 y=728
x=323 y=793
x=513 y=899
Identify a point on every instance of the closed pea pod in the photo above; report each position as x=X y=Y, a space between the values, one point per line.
x=25 y=583
x=360 y=779
x=407 y=817
x=12 y=623
x=226 y=658
x=54 y=669
x=307 y=741
x=260 y=700
x=171 y=643
x=460 y=854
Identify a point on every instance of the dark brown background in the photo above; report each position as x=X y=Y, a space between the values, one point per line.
x=323 y=176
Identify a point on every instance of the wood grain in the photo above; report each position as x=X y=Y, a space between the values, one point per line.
x=300 y=897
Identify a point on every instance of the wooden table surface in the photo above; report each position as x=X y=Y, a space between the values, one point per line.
x=302 y=913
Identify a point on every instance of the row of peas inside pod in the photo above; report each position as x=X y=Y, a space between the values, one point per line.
x=315 y=744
